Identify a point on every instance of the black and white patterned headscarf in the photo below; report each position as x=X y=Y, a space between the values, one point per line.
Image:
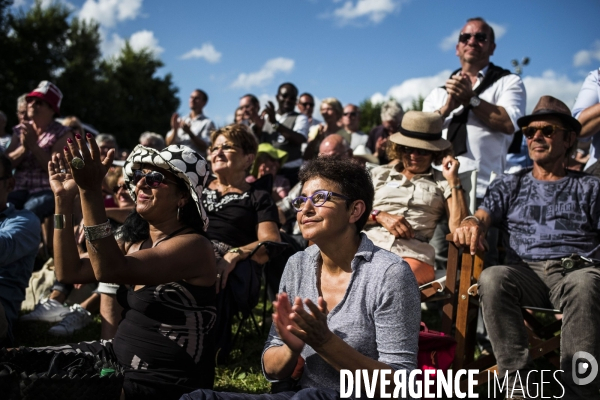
x=181 y=161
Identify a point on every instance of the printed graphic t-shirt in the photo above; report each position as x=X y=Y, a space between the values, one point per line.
x=546 y=219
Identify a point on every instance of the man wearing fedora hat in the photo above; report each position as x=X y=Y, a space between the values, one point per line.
x=552 y=219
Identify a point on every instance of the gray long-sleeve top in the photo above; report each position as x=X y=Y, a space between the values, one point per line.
x=379 y=315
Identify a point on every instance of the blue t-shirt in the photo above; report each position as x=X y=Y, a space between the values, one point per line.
x=546 y=220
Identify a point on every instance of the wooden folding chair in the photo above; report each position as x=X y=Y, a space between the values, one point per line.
x=461 y=312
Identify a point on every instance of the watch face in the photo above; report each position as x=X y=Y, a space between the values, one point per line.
x=475 y=101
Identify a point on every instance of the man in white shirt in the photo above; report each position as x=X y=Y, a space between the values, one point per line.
x=306 y=105
x=351 y=122
x=193 y=130
x=492 y=113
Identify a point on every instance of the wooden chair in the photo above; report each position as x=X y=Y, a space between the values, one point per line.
x=461 y=310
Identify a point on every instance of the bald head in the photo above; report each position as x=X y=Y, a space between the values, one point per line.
x=335 y=145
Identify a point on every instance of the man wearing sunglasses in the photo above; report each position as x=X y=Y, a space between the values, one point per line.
x=286 y=129
x=351 y=122
x=549 y=214
x=306 y=105
x=480 y=105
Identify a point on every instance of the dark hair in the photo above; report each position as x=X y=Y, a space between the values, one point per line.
x=135 y=228
x=484 y=22
x=253 y=99
x=307 y=94
x=393 y=151
x=203 y=93
x=288 y=84
x=6 y=166
x=352 y=178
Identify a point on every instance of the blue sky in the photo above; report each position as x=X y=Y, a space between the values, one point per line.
x=352 y=50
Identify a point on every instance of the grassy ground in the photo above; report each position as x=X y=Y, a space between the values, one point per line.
x=243 y=371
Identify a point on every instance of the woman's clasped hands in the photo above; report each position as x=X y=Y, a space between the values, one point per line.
x=297 y=327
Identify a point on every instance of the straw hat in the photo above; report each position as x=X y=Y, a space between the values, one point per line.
x=421 y=130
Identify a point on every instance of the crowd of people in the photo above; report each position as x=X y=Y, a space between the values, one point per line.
x=169 y=233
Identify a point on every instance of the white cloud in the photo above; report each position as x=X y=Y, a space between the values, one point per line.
x=585 y=57
x=265 y=98
x=551 y=84
x=207 y=51
x=373 y=10
x=109 y=12
x=144 y=39
x=265 y=74
x=410 y=89
x=449 y=42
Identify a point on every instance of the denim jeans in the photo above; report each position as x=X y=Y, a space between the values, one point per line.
x=504 y=289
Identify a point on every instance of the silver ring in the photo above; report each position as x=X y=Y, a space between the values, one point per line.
x=63 y=171
x=218 y=276
x=77 y=163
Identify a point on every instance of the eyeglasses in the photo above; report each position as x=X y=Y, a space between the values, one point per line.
x=225 y=148
x=351 y=114
x=318 y=199
x=307 y=104
x=153 y=178
x=479 y=37
x=547 y=130
x=123 y=186
x=410 y=150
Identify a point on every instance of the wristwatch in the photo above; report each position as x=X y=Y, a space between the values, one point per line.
x=374 y=214
x=234 y=250
x=275 y=126
x=475 y=101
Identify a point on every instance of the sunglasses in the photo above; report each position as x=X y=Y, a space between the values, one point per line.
x=307 y=104
x=351 y=114
x=547 y=130
x=318 y=198
x=410 y=150
x=121 y=186
x=479 y=37
x=153 y=178
x=225 y=148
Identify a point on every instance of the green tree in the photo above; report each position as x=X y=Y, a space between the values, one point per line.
x=416 y=104
x=123 y=95
x=370 y=115
x=140 y=100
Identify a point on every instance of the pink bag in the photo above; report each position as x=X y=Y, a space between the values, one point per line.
x=436 y=350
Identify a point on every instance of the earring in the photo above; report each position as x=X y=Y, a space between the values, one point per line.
x=178 y=209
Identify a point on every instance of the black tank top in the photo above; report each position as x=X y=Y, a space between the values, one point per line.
x=166 y=335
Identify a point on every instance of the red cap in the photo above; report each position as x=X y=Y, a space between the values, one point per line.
x=48 y=92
